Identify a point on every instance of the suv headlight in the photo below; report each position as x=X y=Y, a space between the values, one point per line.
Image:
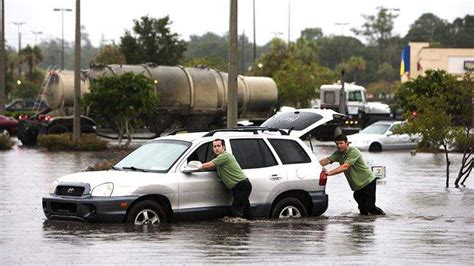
x=103 y=190
x=52 y=189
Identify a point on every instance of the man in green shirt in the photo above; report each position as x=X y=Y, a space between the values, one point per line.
x=229 y=171
x=359 y=176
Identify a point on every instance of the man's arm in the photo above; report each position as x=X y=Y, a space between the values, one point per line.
x=207 y=166
x=339 y=169
x=324 y=162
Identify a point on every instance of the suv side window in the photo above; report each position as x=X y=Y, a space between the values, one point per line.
x=203 y=154
x=252 y=153
x=289 y=151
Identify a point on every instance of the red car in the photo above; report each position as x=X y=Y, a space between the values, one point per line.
x=8 y=125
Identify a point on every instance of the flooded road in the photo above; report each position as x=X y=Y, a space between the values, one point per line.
x=425 y=223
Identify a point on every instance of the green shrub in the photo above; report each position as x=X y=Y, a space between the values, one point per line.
x=63 y=142
x=5 y=143
x=90 y=142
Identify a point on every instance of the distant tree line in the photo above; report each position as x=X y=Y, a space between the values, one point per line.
x=313 y=59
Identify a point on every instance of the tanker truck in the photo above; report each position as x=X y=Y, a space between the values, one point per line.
x=190 y=97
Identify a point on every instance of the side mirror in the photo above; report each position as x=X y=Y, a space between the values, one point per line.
x=192 y=166
x=389 y=133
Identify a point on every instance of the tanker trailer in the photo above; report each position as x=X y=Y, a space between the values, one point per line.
x=189 y=98
x=195 y=97
x=57 y=92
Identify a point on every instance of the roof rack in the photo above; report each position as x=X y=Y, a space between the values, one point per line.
x=187 y=130
x=254 y=129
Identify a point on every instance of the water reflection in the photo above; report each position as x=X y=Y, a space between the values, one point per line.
x=426 y=223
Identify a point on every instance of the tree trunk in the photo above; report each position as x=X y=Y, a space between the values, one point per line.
x=446 y=153
x=120 y=134
x=466 y=163
x=127 y=131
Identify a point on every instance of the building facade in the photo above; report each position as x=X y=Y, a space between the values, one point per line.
x=418 y=57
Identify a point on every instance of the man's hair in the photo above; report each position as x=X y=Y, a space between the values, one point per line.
x=221 y=140
x=341 y=137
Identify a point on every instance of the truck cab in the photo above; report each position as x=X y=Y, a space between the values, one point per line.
x=360 y=112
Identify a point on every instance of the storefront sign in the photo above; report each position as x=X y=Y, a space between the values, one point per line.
x=469 y=65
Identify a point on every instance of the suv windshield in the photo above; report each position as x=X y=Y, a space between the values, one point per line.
x=157 y=156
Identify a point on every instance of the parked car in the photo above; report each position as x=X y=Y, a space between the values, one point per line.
x=379 y=136
x=153 y=184
x=25 y=105
x=8 y=125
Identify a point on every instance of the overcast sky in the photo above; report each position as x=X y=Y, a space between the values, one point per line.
x=108 y=19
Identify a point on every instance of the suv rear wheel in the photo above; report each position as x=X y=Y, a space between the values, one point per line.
x=289 y=208
x=147 y=212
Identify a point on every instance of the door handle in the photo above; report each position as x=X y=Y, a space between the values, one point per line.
x=275 y=177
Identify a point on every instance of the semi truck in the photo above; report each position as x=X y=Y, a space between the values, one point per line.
x=190 y=97
x=360 y=113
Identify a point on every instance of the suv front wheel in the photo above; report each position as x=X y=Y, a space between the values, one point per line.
x=289 y=208
x=147 y=212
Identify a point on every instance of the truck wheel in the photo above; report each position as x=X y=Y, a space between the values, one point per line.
x=289 y=208
x=147 y=212
x=58 y=129
x=5 y=132
x=87 y=129
x=29 y=137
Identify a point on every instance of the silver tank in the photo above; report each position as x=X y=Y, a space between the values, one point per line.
x=189 y=97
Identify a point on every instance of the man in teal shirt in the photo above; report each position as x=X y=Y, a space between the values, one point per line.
x=359 y=176
x=229 y=171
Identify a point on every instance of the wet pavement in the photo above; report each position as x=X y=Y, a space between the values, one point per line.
x=425 y=222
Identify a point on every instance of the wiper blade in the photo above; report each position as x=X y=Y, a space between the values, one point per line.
x=116 y=168
x=133 y=168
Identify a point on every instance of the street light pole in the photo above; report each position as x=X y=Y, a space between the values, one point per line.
x=390 y=15
x=19 y=44
x=289 y=20
x=342 y=24
x=254 y=35
x=36 y=33
x=62 y=32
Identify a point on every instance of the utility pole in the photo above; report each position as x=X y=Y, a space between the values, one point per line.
x=342 y=95
x=76 y=130
x=254 y=35
x=19 y=44
x=232 y=68
x=62 y=32
x=2 y=60
x=36 y=33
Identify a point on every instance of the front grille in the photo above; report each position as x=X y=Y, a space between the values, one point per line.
x=74 y=191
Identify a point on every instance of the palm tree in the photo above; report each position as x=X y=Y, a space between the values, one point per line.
x=355 y=64
x=31 y=56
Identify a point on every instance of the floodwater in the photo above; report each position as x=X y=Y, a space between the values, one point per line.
x=425 y=222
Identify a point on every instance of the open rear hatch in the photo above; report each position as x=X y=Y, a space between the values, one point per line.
x=302 y=121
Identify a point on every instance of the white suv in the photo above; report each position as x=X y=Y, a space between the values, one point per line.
x=153 y=185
